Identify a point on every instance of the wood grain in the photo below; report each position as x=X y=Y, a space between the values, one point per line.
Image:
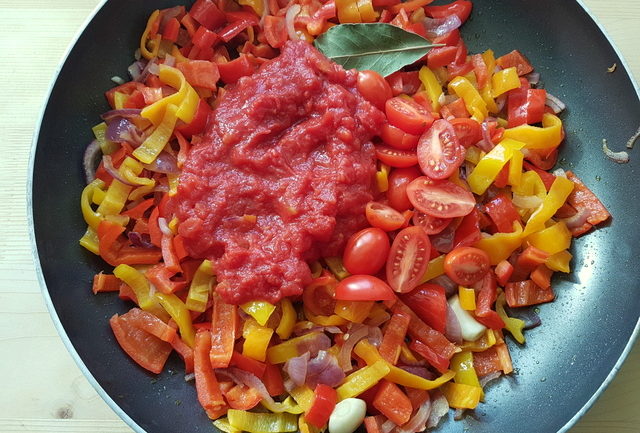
x=42 y=389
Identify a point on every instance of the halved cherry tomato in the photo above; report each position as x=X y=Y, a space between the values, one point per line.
x=442 y=199
x=408 y=115
x=374 y=88
x=395 y=157
x=466 y=265
x=439 y=151
x=366 y=251
x=468 y=131
x=431 y=225
x=429 y=302
x=408 y=259
x=363 y=288
x=397 y=138
x=383 y=216
x=397 y=193
x=319 y=296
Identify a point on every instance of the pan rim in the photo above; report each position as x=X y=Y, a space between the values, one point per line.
x=65 y=337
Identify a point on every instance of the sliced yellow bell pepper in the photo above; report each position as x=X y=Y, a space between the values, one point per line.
x=559 y=261
x=487 y=97
x=434 y=269
x=337 y=267
x=474 y=155
x=511 y=324
x=462 y=364
x=303 y=395
x=553 y=239
x=333 y=320
x=115 y=199
x=472 y=99
x=499 y=246
x=530 y=184
x=186 y=98
x=288 y=405
x=262 y=422
x=91 y=217
x=515 y=168
x=256 y=5
x=361 y=380
x=256 y=340
x=140 y=286
x=382 y=178
x=504 y=80
x=259 y=310
x=467 y=298
x=145 y=36
x=432 y=86
x=347 y=11
x=140 y=192
x=100 y=132
x=90 y=241
x=490 y=165
x=367 y=13
x=280 y=353
x=354 y=311
x=546 y=137
x=131 y=169
x=200 y=287
x=461 y=396
x=151 y=147
x=223 y=425
x=482 y=343
x=180 y=314
x=557 y=195
x=287 y=320
x=489 y=60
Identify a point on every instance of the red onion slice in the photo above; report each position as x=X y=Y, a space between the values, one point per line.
x=292 y=12
x=120 y=129
x=242 y=377
x=418 y=422
x=450 y=286
x=387 y=426
x=296 y=368
x=324 y=369
x=313 y=346
x=577 y=220
x=441 y=26
x=485 y=144
x=489 y=377
x=554 y=103
x=108 y=166
x=127 y=113
x=352 y=338
x=90 y=160
x=533 y=78
x=419 y=371
x=142 y=240
x=619 y=157
x=439 y=408
x=453 y=331
x=164 y=163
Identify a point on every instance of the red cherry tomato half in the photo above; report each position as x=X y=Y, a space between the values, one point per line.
x=374 y=88
x=366 y=251
x=319 y=296
x=466 y=265
x=408 y=259
x=395 y=157
x=397 y=138
x=383 y=216
x=468 y=131
x=408 y=115
x=442 y=199
x=399 y=178
x=430 y=225
x=439 y=151
x=363 y=288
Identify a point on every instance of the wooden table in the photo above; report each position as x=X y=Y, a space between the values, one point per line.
x=42 y=389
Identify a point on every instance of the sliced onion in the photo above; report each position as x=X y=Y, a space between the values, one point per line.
x=387 y=426
x=296 y=368
x=146 y=70
x=154 y=68
x=120 y=129
x=356 y=334
x=142 y=240
x=450 y=286
x=292 y=12
x=169 y=60
x=446 y=99
x=489 y=377
x=619 y=157
x=526 y=201
x=375 y=336
x=577 y=220
x=458 y=414
x=90 y=160
x=554 y=103
x=501 y=101
x=108 y=166
x=485 y=144
x=439 y=408
x=320 y=342
x=118 y=80
x=453 y=331
x=559 y=172
x=441 y=26
x=633 y=139
x=324 y=369
x=164 y=227
x=189 y=377
x=164 y=163
x=533 y=78
x=135 y=69
x=330 y=329
x=241 y=377
x=379 y=319
x=127 y=113
x=418 y=422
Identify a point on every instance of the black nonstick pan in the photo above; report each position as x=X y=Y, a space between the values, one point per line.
x=565 y=363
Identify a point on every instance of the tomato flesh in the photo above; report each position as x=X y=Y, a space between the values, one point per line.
x=468 y=131
x=397 y=138
x=374 y=88
x=408 y=259
x=383 y=216
x=366 y=251
x=397 y=192
x=442 y=199
x=363 y=288
x=466 y=265
x=408 y=115
x=396 y=157
x=319 y=296
x=439 y=151
x=431 y=225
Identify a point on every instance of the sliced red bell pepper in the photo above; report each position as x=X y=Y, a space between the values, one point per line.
x=160 y=276
x=525 y=293
x=429 y=302
x=150 y=323
x=547 y=178
x=480 y=69
x=245 y=363
x=200 y=73
x=272 y=380
x=431 y=356
x=543 y=159
x=322 y=405
x=393 y=403
x=456 y=109
x=275 y=31
x=525 y=106
x=185 y=352
x=138 y=211
x=135 y=100
x=230 y=72
x=373 y=424
x=171 y=30
x=394 y=334
x=468 y=232
x=207 y=13
x=113 y=248
x=486 y=362
x=242 y=397
x=126 y=88
x=207 y=387
x=171 y=261
x=233 y=29
x=487 y=294
x=441 y=56
x=517 y=60
x=154 y=229
x=203 y=38
x=178 y=246
x=126 y=293
x=527 y=261
x=223 y=333
x=461 y=8
x=542 y=276
x=503 y=270
x=503 y=213
x=105 y=283
x=584 y=200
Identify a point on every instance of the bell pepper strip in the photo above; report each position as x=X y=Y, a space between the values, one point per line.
x=90 y=241
x=434 y=269
x=546 y=137
x=303 y=395
x=527 y=261
x=583 y=200
x=91 y=217
x=105 y=283
x=361 y=380
x=382 y=178
x=511 y=324
x=155 y=42
x=373 y=424
x=525 y=293
x=223 y=425
x=272 y=379
x=541 y=276
x=504 y=80
x=560 y=261
x=462 y=364
x=160 y=276
x=287 y=320
x=555 y=198
x=259 y=310
x=333 y=320
x=186 y=98
x=503 y=272
x=115 y=199
x=353 y=311
x=531 y=184
x=525 y=105
x=393 y=403
x=487 y=293
x=262 y=422
x=140 y=209
x=232 y=71
x=322 y=405
x=370 y=355
x=429 y=302
x=288 y=405
x=490 y=165
x=223 y=332
x=242 y=397
x=432 y=357
x=487 y=362
x=200 y=288
x=432 y=86
x=553 y=239
x=280 y=353
x=476 y=106
x=140 y=286
x=113 y=250
x=502 y=212
x=155 y=143
x=145 y=349
x=150 y=323
x=467 y=298
x=256 y=340
x=468 y=232
x=185 y=352
x=461 y=396
x=207 y=387
x=500 y=245
x=247 y=364
x=482 y=344
x=337 y=267
x=347 y=11
x=207 y=13
x=130 y=169
x=515 y=168
x=517 y=60
x=178 y=312
x=393 y=337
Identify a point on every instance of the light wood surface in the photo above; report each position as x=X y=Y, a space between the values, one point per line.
x=42 y=390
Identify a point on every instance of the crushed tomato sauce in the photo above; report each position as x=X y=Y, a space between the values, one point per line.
x=290 y=145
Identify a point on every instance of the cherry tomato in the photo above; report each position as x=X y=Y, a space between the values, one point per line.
x=397 y=138
x=374 y=88
x=439 y=151
x=319 y=296
x=366 y=251
x=383 y=216
x=466 y=265
x=399 y=178
x=431 y=225
x=408 y=115
x=442 y=199
x=363 y=288
x=395 y=157
x=408 y=259
x=468 y=131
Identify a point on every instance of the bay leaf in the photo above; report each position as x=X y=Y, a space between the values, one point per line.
x=381 y=47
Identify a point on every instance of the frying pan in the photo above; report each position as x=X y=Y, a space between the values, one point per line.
x=565 y=364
